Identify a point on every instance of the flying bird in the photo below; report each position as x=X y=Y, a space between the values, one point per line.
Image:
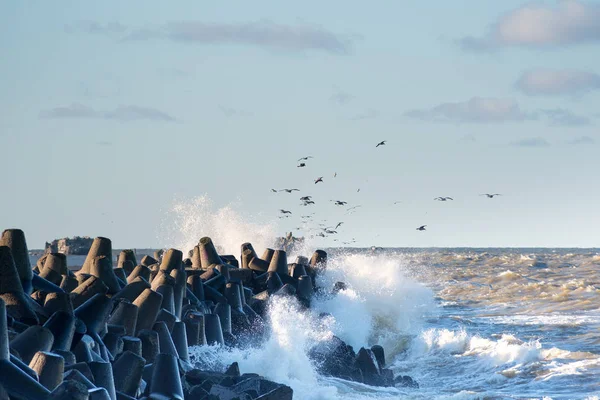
x=319 y=179
x=339 y=202
x=338 y=225
x=285 y=211
x=335 y=174
x=382 y=143
x=353 y=208
x=397 y=202
x=357 y=190
x=289 y=190
x=490 y=196
x=273 y=190
x=443 y=198
x=301 y=165
x=305 y=158
x=305 y=198
x=307 y=202
x=421 y=228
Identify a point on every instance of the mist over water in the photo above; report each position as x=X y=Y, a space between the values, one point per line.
x=464 y=323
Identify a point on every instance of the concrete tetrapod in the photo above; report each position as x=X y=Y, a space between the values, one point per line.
x=18 y=303
x=101 y=246
x=49 y=367
x=14 y=239
x=14 y=381
x=166 y=382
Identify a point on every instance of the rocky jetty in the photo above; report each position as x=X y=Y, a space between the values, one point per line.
x=76 y=246
x=123 y=331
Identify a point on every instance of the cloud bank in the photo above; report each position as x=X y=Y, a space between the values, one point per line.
x=565 y=118
x=475 y=110
x=121 y=113
x=531 y=142
x=548 y=82
x=582 y=140
x=538 y=25
x=263 y=33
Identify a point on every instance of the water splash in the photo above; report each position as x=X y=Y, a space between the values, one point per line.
x=382 y=305
x=189 y=219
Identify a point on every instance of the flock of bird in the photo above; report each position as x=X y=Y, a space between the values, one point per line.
x=323 y=229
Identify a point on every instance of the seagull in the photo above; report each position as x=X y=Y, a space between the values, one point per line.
x=335 y=174
x=339 y=202
x=273 y=190
x=289 y=190
x=443 y=198
x=421 y=228
x=330 y=231
x=305 y=198
x=490 y=196
x=397 y=202
x=382 y=143
x=357 y=190
x=301 y=165
x=353 y=208
x=319 y=179
x=285 y=211
x=305 y=158
x=338 y=225
x=307 y=202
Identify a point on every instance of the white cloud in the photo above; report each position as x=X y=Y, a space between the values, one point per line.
x=531 y=142
x=121 y=113
x=566 y=22
x=132 y=113
x=262 y=33
x=582 y=140
x=548 y=82
x=475 y=110
x=562 y=117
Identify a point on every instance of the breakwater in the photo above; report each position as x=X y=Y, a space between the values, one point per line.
x=123 y=331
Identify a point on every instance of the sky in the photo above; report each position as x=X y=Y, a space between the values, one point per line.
x=112 y=112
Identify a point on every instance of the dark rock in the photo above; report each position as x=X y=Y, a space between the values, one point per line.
x=233 y=370
x=196 y=392
x=197 y=377
x=366 y=361
x=335 y=358
x=379 y=355
x=406 y=381
x=225 y=393
x=283 y=392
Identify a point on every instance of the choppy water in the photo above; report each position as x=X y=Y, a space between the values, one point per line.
x=466 y=324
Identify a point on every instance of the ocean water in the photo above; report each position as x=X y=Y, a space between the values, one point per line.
x=464 y=323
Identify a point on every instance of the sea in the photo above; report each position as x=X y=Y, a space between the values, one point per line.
x=464 y=323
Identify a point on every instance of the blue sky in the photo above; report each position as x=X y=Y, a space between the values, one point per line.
x=111 y=110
